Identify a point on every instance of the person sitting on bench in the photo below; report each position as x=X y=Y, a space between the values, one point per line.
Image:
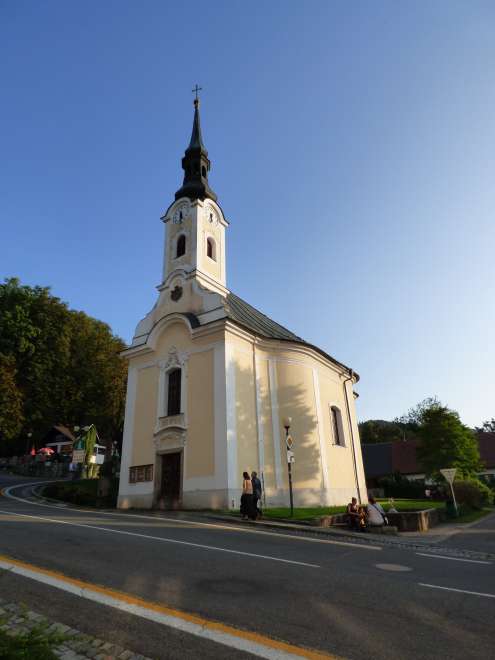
x=375 y=513
x=355 y=516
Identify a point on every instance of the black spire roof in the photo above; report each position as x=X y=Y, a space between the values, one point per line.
x=196 y=165
x=196 y=137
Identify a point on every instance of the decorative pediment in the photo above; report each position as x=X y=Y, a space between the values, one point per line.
x=169 y=439
x=175 y=359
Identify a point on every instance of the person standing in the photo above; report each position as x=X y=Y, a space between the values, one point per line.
x=257 y=491
x=246 y=497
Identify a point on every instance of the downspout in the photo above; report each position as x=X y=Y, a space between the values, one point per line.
x=351 y=377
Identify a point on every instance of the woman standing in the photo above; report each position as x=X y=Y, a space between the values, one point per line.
x=246 y=497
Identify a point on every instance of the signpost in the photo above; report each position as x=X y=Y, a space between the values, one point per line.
x=290 y=459
x=449 y=474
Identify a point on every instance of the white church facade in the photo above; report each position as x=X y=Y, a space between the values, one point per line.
x=212 y=380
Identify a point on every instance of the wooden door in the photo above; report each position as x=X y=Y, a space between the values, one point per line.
x=171 y=480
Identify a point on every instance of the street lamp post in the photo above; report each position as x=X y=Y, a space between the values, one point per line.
x=288 y=444
x=29 y=436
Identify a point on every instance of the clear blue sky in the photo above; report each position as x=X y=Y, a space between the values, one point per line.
x=353 y=152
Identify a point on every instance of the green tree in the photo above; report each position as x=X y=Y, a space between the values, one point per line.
x=10 y=401
x=379 y=430
x=488 y=426
x=447 y=443
x=64 y=365
x=413 y=418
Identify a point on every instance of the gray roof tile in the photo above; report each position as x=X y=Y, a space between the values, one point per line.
x=247 y=316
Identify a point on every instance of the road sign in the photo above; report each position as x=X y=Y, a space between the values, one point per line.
x=78 y=456
x=290 y=456
x=289 y=441
x=449 y=474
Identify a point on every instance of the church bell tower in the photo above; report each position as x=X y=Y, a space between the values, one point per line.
x=195 y=224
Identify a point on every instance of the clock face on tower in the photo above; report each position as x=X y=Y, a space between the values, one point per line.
x=180 y=213
x=212 y=216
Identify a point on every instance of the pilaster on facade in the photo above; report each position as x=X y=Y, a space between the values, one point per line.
x=276 y=430
x=221 y=402
x=259 y=416
x=232 y=476
x=128 y=438
x=321 y=435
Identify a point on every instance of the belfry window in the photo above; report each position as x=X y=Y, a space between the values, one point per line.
x=174 y=386
x=337 y=428
x=181 y=246
x=211 y=249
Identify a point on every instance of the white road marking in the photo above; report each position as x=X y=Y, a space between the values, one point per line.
x=398 y=568
x=228 y=526
x=461 y=591
x=162 y=539
x=197 y=629
x=470 y=561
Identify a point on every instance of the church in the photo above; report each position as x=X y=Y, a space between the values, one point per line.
x=215 y=387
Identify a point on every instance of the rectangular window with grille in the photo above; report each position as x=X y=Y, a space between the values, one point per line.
x=139 y=473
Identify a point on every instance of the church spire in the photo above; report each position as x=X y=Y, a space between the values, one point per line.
x=195 y=163
x=196 y=137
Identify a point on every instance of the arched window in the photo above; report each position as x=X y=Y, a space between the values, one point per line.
x=211 y=249
x=337 y=429
x=174 y=386
x=181 y=246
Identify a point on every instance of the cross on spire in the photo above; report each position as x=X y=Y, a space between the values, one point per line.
x=195 y=91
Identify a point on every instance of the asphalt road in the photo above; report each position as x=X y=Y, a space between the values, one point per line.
x=479 y=536
x=352 y=601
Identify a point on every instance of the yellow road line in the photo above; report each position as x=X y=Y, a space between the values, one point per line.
x=223 y=631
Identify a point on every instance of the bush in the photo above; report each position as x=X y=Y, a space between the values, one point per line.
x=401 y=487
x=472 y=493
x=83 y=492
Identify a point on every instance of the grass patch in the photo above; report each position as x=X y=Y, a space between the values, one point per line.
x=473 y=515
x=309 y=513
x=303 y=513
x=412 y=505
x=34 y=645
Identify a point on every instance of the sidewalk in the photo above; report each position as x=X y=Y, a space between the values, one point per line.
x=71 y=644
x=405 y=540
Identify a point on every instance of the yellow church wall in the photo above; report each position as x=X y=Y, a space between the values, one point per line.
x=211 y=266
x=296 y=400
x=267 y=423
x=191 y=300
x=146 y=401
x=200 y=450
x=176 y=334
x=199 y=455
x=357 y=442
x=340 y=462
x=246 y=425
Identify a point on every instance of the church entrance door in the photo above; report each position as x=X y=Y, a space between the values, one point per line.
x=171 y=480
